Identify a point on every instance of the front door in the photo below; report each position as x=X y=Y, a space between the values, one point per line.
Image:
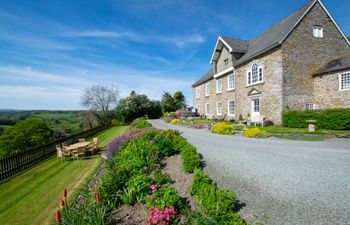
x=255 y=108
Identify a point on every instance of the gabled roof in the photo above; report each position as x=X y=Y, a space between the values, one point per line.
x=334 y=66
x=232 y=44
x=208 y=76
x=275 y=35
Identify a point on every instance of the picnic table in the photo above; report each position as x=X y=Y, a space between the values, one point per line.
x=78 y=145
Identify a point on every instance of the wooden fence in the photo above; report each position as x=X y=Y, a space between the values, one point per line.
x=20 y=160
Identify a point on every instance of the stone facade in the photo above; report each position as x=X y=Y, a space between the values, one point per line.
x=303 y=54
x=288 y=68
x=335 y=98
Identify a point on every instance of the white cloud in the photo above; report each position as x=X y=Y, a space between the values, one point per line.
x=104 y=34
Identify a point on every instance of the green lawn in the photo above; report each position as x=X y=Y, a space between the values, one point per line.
x=275 y=129
x=33 y=196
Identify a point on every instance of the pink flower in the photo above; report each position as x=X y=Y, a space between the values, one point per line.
x=154 y=187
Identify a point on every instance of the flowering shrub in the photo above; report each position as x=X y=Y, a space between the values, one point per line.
x=174 y=121
x=161 y=216
x=222 y=128
x=114 y=145
x=254 y=132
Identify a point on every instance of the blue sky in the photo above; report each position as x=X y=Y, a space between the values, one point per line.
x=50 y=51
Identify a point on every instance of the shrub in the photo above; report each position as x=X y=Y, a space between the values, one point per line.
x=165 y=198
x=140 y=186
x=254 y=132
x=190 y=157
x=217 y=204
x=115 y=122
x=174 y=121
x=140 y=123
x=222 y=128
x=164 y=144
x=134 y=133
x=161 y=178
x=332 y=119
x=114 y=145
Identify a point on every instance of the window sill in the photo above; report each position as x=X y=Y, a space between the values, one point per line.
x=231 y=115
x=344 y=89
x=218 y=93
x=259 y=83
x=207 y=96
x=228 y=90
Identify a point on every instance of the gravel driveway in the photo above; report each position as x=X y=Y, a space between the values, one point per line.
x=291 y=182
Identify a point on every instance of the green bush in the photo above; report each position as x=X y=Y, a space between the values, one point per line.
x=223 y=128
x=164 y=198
x=161 y=178
x=140 y=123
x=164 y=144
x=190 y=158
x=332 y=119
x=139 y=186
x=217 y=204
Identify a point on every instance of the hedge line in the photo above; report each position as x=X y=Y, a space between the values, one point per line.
x=332 y=119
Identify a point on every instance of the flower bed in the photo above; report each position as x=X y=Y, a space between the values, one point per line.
x=135 y=176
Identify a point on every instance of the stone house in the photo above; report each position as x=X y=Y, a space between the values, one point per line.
x=301 y=63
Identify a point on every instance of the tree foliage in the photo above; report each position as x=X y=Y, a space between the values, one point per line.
x=137 y=105
x=173 y=103
x=25 y=134
x=349 y=38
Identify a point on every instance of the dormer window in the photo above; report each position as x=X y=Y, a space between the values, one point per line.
x=255 y=75
x=318 y=31
x=226 y=61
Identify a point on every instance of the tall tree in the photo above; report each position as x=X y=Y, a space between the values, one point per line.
x=101 y=99
x=349 y=38
x=180 y=100
x=25 y=134
x=173 y=103
x=137 y=105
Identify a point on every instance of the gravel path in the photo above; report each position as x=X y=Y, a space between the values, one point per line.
x=292 y=182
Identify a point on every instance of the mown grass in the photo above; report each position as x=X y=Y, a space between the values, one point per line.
x=275 y=129
x=32 y=197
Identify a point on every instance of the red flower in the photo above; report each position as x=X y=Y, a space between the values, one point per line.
x=58 y=216
x=65 y=193
x=98 y=198
x=62 y=204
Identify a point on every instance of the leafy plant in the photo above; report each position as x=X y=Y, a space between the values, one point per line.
x=161 y=178
x=165 y=198
x=254 y=132
x=140 y=123
x=175 y=121
x=140 y=185
x=190 y=157
x=223 y=128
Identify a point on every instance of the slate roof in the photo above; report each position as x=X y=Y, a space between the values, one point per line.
x=274 y=36
x=237 y=45
x=335 y=65
x=209 y=75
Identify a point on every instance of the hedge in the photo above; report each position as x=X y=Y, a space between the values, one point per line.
x=332 y=119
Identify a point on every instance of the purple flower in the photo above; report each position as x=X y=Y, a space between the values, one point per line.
x=199 y=126
x=113 y=146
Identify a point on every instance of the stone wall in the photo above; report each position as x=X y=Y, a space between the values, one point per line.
x=269 y=92
x=303 y=54
x=327 y=93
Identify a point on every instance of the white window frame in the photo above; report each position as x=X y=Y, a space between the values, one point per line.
x=207 y=89
x=341 y=86
x=207 y=109
x=228 y=82
x=317 y=31
x=260 y=74
x=309 y=106
x=228 y=108
x=218 y=90
x=217 y=109
x=198 y=92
